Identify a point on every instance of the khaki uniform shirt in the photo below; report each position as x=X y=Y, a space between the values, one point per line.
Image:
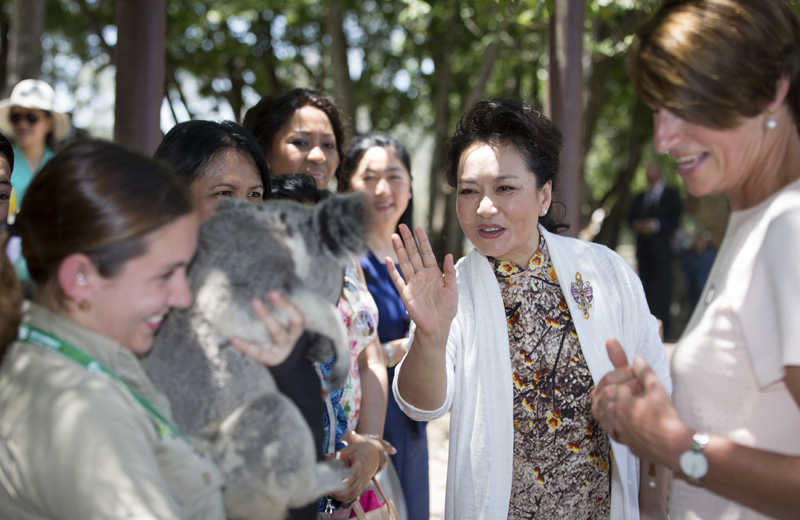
x=77 y=445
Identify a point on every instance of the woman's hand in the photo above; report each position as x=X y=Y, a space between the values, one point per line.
x=363 y=459
x=633 y=407
x=430 y=297
x=284 y=337
x=381 y=444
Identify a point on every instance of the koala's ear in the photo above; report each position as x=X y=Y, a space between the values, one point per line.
x=341 y=222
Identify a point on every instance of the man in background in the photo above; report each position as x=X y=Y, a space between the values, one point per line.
x=654 y=217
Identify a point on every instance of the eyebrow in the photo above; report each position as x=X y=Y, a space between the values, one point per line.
x=5 y=182
x=229 y=185
x=499 y=178
x=390 y=169
x=306 y=132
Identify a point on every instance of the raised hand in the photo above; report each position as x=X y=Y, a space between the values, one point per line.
x=430 y=296
x=284 y=337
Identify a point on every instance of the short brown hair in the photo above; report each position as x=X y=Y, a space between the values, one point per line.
x=96 y=198
x=713 y=62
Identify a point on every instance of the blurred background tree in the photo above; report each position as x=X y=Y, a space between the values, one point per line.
x=406 y=67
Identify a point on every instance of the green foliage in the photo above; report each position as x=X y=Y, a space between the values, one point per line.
x=403 y=56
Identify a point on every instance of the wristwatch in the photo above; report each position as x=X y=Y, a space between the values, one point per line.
x=693 y=462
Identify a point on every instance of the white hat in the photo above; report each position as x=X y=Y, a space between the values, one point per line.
x=33 y=93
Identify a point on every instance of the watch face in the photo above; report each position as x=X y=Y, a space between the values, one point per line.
x=694 y=464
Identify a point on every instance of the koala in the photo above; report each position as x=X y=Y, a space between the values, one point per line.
x=229 y=404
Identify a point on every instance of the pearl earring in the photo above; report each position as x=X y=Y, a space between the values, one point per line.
x=544 y=211
x=81 y=278
x=771 y=123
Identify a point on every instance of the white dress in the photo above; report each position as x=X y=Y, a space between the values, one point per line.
x=728 y=367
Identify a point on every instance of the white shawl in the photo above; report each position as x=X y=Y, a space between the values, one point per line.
x=481 y=423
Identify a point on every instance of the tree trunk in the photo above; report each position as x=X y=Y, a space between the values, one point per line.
x=344 y=89
x=565 y=99
x=25 y=45
x=639 y=131
x=141 y=26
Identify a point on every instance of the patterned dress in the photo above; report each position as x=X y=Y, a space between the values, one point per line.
x=360 y=316
x=562 y=459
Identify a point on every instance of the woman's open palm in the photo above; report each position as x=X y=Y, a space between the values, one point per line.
x=430 y=297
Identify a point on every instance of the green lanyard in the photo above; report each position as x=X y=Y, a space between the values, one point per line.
x=36 y=336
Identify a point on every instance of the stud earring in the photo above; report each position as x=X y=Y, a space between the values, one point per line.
x=771 y=123
x=85 y=305
x=81 y=278
x=544 y=211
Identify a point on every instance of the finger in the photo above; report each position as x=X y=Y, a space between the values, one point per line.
x=616 y=354
x=397 y=278
x=449 y=271
x=289 y=309
x=645 y=375
x=402 y=254
x=268 y=357
x=275 y=328
x=411 y=249
x=428 y=258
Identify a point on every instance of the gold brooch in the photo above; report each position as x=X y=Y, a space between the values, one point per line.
x=582 y=294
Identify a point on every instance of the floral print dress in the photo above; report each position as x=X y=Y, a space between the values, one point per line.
x=360 y=316
x=562 y=459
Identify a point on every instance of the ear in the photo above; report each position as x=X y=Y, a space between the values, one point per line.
x=546 y=195
x=76 y=276
x=781 y=92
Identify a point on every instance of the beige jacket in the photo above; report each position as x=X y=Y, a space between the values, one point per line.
x=76 y=445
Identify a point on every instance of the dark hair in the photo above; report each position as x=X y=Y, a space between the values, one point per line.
x=190 y=145
x=267 y=117
x=297 y=187
x=7 y=151
x=509 y=122
x=96 y=198
x=711 y=62
x=352 y=158
x=10 y=296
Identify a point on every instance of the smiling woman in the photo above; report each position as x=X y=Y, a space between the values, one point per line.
x=75 y=403
x=512 y=345
x=300 y=131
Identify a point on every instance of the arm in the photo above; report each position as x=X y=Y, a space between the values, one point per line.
x=431 y=299
x=653 y=498
x=374 y=389
x=633 y=406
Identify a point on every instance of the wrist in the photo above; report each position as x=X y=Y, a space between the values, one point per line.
x=389 y=349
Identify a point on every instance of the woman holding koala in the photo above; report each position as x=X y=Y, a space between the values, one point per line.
x=301 y=131
x=86 y=435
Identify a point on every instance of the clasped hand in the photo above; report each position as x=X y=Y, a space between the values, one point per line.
x=633 y=407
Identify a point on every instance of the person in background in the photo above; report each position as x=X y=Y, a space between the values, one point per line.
x=300 y=131
x=697 y=262
x=380 y=167
x=654 y=216
x=512 y=339
x=222 y=160
x=85 y=433
x=29 y=117
x=6 y=167
x=723 y=80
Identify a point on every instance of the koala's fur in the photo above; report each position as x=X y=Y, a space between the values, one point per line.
x=228 y=403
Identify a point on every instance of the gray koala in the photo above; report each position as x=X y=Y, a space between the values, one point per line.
x=229 y=404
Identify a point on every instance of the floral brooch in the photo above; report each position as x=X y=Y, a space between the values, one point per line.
x=582 y=294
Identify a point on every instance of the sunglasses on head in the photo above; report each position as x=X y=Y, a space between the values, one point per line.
x=30 y=117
